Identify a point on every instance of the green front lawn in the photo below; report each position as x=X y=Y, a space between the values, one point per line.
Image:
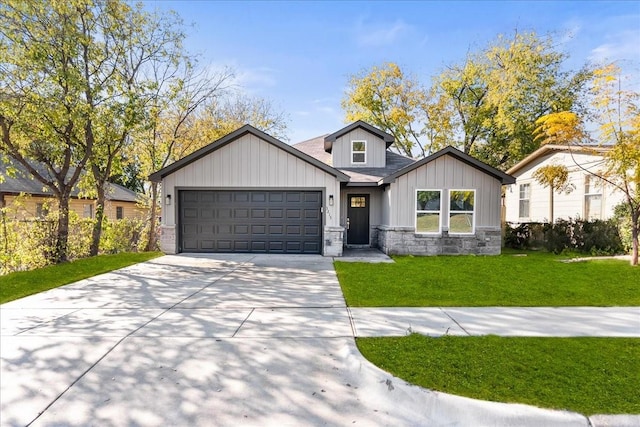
x=24 y=283
x=536 y=279
x=586 y=375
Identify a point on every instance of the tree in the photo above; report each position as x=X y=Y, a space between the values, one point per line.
x=486 y=105
x=143 y=38
x=53 y=68
x=396 y=103
x=500 y=92
x=177 y=92
x=617 y=112
x=555 y=177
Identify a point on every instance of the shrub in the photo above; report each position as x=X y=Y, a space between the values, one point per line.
x=26 y=244
x=595 y=237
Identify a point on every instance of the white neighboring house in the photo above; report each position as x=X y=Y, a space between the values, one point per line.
x=585 y=196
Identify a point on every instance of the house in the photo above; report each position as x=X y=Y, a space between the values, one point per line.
x=26 y=198
x=584 y=195
x=249 y=192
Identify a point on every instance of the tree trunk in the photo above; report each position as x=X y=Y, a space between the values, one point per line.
x=635 y=216
x=62 y=234
x=152 y=243
x=97 y=226
x=550 y=205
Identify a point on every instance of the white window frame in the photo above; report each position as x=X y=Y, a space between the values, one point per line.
x=359 y=152
x=439 y=212
x=597 y=184
x=520 y=199
x=473 y=213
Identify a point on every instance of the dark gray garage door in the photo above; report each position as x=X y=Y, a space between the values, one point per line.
x=250 y=221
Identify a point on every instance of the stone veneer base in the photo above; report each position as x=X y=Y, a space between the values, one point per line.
x=404 y=241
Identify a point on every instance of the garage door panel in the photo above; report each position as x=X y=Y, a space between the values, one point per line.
x=240 y=229
x=224 y=213
x=276 y=197
x=250 y=221
x=294 y=214
x=224 y=245
x=312 y=197
x=258 y=213
x=276 y=230
x=257 y=230
x=207 y=244
x=276 y=213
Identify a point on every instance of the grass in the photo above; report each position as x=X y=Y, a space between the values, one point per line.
x=586 y=375
x=24 y=283
x=537 y=279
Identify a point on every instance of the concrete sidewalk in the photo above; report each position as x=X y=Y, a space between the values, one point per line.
x=227 y=340
x=504 y=321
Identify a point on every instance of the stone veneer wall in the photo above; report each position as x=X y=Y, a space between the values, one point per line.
x=168 y=239
x=404 y=241
x=333 y=241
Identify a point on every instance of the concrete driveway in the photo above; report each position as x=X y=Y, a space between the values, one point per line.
x=212 y=340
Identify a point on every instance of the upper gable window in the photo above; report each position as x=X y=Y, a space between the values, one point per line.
x=358 y=152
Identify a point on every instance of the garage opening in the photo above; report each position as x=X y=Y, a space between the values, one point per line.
x=250 y=221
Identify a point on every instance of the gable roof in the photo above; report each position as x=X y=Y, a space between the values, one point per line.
x=471 y=161
x=23 y=182
x=555 y=148
x=244 y=130
x=330 y=139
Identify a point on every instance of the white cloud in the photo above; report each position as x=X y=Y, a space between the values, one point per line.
x=370 y=34
x=624 y=45
x=247 y=79
x=256 y=78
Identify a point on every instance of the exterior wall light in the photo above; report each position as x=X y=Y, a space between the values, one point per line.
x=168 y=200
x=330 y=199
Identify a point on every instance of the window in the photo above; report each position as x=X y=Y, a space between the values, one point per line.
x=428 y=209
x=119 y=212
x=461 y=211
x=525 y=197
x=358 y=151
x=41 y=210
x=358 y=202
x=592 y=197
x=87 y=211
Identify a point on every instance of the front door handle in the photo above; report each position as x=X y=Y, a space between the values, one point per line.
x=347 y=223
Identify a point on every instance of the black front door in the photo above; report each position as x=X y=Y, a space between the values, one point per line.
x=358 y=219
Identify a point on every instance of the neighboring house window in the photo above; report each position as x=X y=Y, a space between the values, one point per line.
x=358 y=151
x=87 y=211
x=592 y=197
x=525 y=197
x=41 y=210
x=119 y=212
x=428 y=209
x=461 y=211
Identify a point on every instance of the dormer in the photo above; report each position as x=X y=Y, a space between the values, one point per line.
x=358 y=145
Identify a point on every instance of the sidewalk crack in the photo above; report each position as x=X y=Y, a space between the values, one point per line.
x=454 y=321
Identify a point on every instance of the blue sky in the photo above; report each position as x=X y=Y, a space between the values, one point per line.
x=299 y=55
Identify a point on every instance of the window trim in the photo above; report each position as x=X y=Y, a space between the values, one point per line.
x=417 y=211
x=473 y=213
x=120 y=210
x=520 y=216
x=364 y=152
